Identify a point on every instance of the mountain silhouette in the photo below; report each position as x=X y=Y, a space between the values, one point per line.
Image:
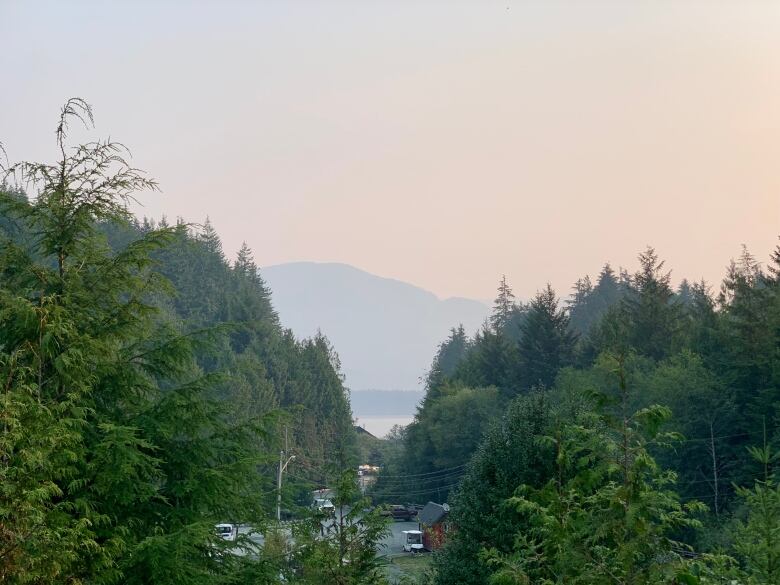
x=385 y=331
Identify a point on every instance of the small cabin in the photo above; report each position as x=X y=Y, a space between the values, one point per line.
x=434 y=524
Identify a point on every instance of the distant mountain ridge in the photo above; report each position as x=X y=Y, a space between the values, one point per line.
x=385 y=331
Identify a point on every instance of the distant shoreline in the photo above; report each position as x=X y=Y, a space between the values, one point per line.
x=379 y=426
x=385 y=403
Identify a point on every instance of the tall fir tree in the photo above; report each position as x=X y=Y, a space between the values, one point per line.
x=449 y=354
x=546 y=344
x=648 y=319
x=503 y=306
x=588 y=305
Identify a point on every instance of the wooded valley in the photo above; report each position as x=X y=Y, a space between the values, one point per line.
x=626 y=433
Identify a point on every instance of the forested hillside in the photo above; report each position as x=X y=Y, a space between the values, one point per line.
x=574 y=437
x=229 y=303
x=269 y=368
x=148 y=389
x=627 y=435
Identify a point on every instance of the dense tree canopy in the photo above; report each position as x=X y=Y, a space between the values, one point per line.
x=629 y=435
x=702 y=372
x=144 y=378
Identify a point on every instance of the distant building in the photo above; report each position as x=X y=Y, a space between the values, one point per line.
x=361 y=431
x=366 y=476
x=435 y=526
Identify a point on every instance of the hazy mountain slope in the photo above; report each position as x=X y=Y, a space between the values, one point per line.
x=385 y=331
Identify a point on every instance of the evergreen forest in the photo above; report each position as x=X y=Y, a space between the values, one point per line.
x=626 y=433
x=149 y=392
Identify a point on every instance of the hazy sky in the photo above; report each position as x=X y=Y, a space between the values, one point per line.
x=440 y=143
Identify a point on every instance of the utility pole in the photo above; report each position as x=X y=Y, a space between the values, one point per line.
x=714 y=468
x=282 y=466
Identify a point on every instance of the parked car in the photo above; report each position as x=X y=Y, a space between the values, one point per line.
x=398 y=512
x=323 y=505
x=227 y=532
x=413 y=543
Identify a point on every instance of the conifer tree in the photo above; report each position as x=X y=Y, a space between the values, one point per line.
x=648 y=319
x=757 y=539
x=582 y=289
x=491 y=361
x=589 y=305
x=503 y=306
x=115 y=463
x=341 y=550
x=700 y=322
x=546 y=343
x=684 y=294
x=749 y=338
x=211 y=239
x=245 y=263
x=650 y=308
x=450 y=353
x=508 y=456
x=608 y=514
x=773 y=269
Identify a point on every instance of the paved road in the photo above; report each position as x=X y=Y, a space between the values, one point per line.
x=393 y=544
x=255 y=537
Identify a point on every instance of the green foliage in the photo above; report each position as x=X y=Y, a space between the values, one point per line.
x=445 y=434
x=471 y=381
x=269 y=368
x=703 y=412
x=341 y=550
x=648 y=319
x=490 y=361
x=142 y=373
x=589 y=303
x=457 y=421
x=608 y=512
x=508 y=456
x=449 y=354
x=546 y=344
x=757 y=539
x=503 y=306
x=139 y=372
x=714 y=365
x=755 y=552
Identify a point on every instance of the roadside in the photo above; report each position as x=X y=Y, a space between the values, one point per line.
x=408 y=567
x=402 y=565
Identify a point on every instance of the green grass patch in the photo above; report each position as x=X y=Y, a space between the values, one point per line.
x=408 y=566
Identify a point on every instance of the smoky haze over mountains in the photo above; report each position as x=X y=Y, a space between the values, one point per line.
x=385 y=331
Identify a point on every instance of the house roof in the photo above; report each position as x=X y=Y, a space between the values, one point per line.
x=432 y=513
x=362 y=431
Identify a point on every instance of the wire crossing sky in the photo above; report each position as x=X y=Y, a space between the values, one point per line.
x=439 y=143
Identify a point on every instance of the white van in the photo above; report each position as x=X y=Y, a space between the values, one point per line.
x=227 y=532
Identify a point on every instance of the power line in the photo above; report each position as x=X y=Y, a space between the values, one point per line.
x=428 y=491
x=426 y=474
x=707 y=439
x=708 y=480
x=704 y=439
x=447 y=477
x=702 y=497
